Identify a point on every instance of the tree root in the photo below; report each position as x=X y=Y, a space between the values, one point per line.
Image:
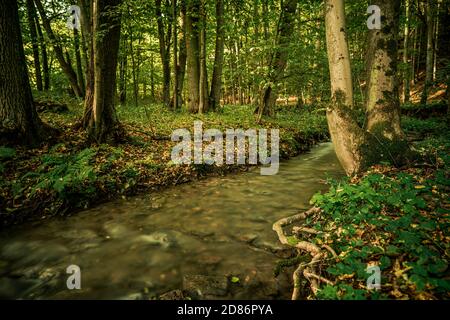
x=308 y=270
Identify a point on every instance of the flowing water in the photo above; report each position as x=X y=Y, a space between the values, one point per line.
x=144 y=246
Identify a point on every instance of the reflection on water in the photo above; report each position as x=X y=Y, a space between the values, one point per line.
x=146 y=245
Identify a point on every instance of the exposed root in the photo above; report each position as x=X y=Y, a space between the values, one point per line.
x=330 y=249
x=298 y=230
x=308 y=270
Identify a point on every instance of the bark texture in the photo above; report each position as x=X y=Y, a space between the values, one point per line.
x=216 y=82
x=19 y=121
x=100 y=116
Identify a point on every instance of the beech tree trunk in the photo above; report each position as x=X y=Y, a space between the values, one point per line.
x=383 y=105
x=181 y=61
x=80 y=75
x=216 y=82
x=193 y=54
x=345 y=133
x=203 y=104
x=19 y=121
x=164 y=35
x=407 y=73
x=175 y=53
x=101 y=121
x=430 y=50
x=31 y=16
x=382 y=138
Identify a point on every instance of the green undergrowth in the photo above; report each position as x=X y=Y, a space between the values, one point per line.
x=68 y=174
x=396 y=219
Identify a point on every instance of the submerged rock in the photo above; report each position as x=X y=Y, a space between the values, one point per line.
x=205 y=287
x=157 y=238
x=115 y=230
x=173 y=295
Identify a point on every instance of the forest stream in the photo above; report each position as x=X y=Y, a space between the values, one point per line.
x=212 y=236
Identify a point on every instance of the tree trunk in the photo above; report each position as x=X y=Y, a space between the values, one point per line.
x=164 y=49
x=19 y=121
x=65 y=66
x=203 y=104
x=102 y=124
x=193 y=54
x=45 y=68
x=216 y=82
x=80 y=76
x=176 y=94
x=31 y=15
x=345 y=133
x=382 y=139
x=279 y=58
x=152 y=76
x=123 y=74
x=383 y=106
x=133 y=70
x=430 y=51
x=181 y=67
x=407 y=72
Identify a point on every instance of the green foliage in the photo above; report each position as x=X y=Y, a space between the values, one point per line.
x=5 y=154
x=397 y=221
x=69 y=176
x=432 y=126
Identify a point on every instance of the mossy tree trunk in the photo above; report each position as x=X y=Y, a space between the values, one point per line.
x=100 y=118
x=382 y=139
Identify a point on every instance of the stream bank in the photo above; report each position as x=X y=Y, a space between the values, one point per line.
x=212 y=239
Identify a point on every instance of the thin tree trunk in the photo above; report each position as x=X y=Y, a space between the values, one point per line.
x=152 y=76
x=279 y=58
x=203 y=86
x=65 y=66
x=133 y=70
x=406 y=83
x=31 y=15
x=19 y=121
x=123 y=73
x=175 y=57
x=430 y=51
x=436 y=41
x=164 y=50
x=45 y=68
x=216 y=82
x=182 y=54
x=193 y=50
x=80 y=76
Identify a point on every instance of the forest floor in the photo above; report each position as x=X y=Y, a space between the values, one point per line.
x=65 y=174
x=397 y=219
